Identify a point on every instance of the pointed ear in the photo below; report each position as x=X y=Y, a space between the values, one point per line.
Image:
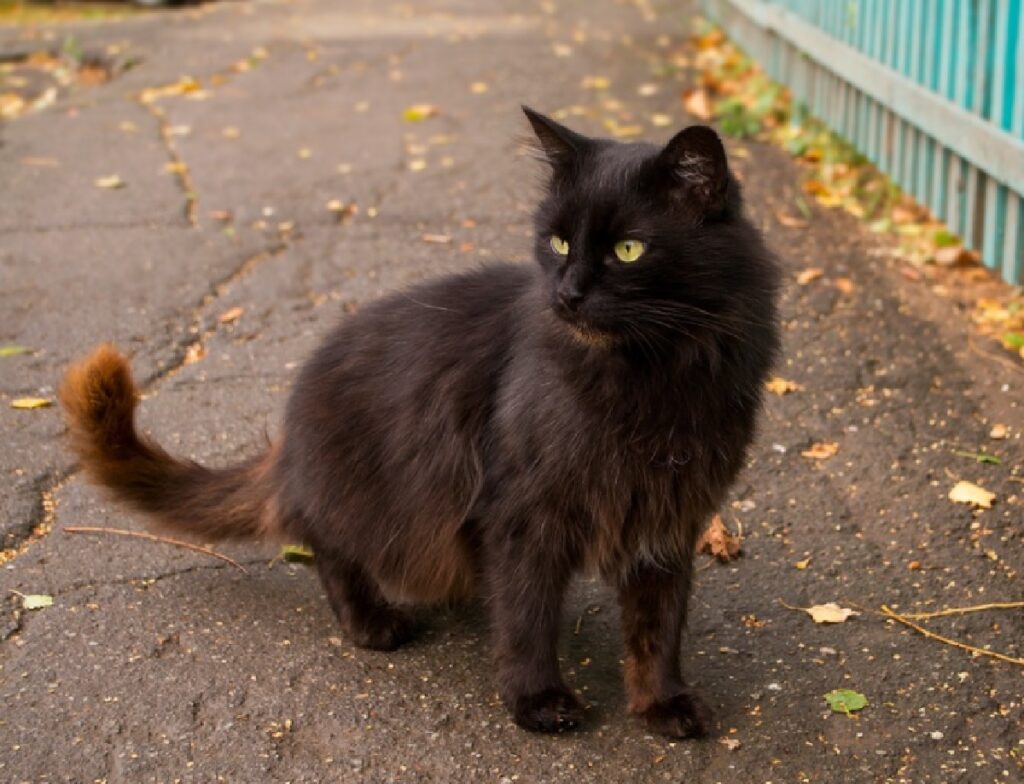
x=695 y=160
x=558 y=145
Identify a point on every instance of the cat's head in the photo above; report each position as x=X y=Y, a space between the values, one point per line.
x=643 y=244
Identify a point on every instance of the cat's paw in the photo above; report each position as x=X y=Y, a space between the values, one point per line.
x=384 y=630
x=552 y=710
x=683 y=716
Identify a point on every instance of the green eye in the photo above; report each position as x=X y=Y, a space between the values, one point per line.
x=559 y=246
x=629 y=250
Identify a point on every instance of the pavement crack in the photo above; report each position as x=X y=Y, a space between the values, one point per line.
x=43 y=518
x=176 y=164
x=191 y=348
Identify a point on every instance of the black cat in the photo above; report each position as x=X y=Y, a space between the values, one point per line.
x=493 y=433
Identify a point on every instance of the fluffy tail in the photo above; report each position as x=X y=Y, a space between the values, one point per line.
x=99 y=398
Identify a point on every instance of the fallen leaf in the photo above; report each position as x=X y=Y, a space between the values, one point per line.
x=13 y=351
x=31 y=402
x=231 y=315
x=780 y=386
x=730 y=743
x=846 y=701
x=821 y=451
x=698 y=103
x=801 y=565
x=829 y=613
x=623 y=131
x=419 y=112
x=417 y=164
x=964 y=492
x=998 y=432
x=296 y=553
x=845 y=285
x=809 y=275
x=648 y=89
x=717 y=541
x=111 y=182
x=661 y=120
x=790 y=221
x=36 y=601
x=947 y=257
x=479 y=88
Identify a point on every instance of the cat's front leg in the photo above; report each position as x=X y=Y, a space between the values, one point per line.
x=526 y=586
x=653 y=616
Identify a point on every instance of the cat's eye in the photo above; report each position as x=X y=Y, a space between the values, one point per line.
x=628 y=251
x=559 y=246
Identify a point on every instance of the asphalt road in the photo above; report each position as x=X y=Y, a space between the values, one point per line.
x=219 y=272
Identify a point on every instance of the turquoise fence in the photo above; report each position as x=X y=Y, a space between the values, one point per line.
x=931 y=91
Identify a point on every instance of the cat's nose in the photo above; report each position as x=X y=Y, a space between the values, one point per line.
x=570 y=296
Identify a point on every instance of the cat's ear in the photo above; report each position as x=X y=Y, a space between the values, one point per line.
x=559 y=146
x=695 y=160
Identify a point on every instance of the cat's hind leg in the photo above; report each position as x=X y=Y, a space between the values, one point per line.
x=364 y=613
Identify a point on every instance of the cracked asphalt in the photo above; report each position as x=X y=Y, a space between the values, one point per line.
x=220 y=272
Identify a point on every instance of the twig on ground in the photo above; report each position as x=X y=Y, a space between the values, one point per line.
x=89 y=529
x=963 y=610
x=889 y=613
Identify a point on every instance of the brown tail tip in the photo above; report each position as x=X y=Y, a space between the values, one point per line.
x=99 y=396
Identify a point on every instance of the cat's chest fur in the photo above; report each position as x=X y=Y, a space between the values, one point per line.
x=627 y=459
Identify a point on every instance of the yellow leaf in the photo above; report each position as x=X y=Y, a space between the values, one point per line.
x=780 y=386
x=661 y=120
x=231 y=315
x=969 y=493
x=809 y=275
x=31 y=402
x=419 y=112
x=821 y=451
x=111 y=182
x=829 y=613
x=801 y=565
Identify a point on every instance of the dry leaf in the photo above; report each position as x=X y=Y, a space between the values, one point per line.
x=821 y=451
x=780 y=386
x=845 y=285
x=789 y=221
x=31 y=402
x=998 y=432
x=113 y=181
x=419 y=112
x=717 y=541
x=801 y=565
x=698 y=103
x=730 y=743
x=829 y=613
x=231 y=315
x=969 y=493
x=809 y=275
